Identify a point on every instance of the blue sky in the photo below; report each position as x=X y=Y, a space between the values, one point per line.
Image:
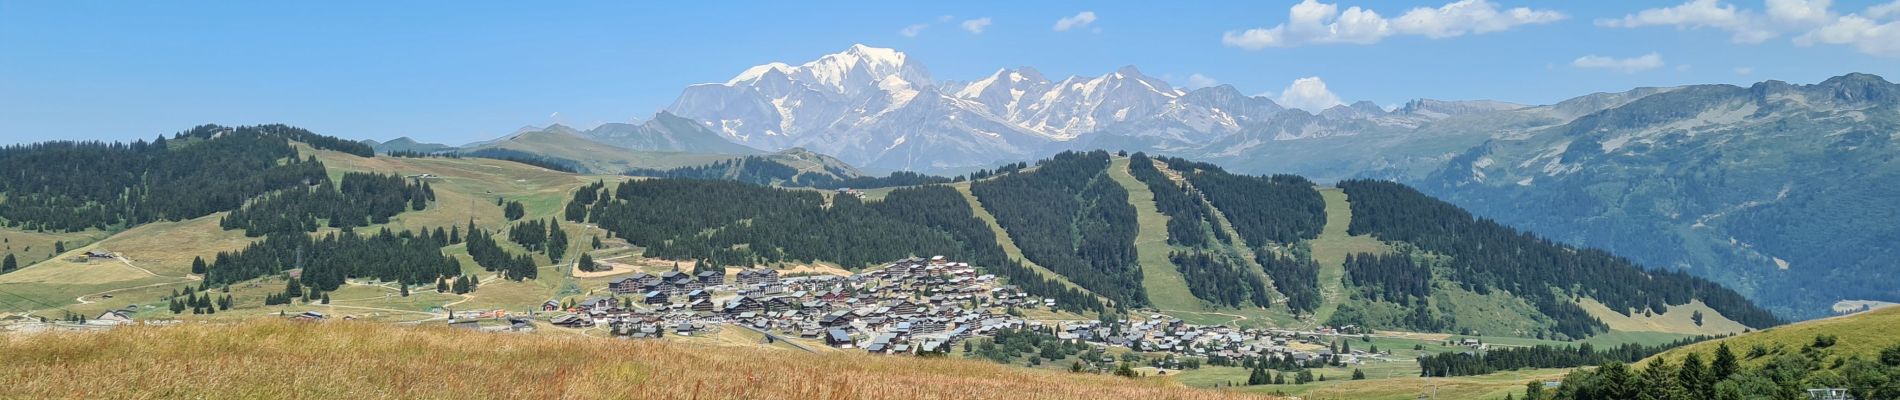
x=456 y=72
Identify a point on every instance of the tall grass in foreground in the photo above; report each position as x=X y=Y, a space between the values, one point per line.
x=282 y=360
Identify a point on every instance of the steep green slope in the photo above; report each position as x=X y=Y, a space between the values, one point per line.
x=1862 y=334
x=1485 y=257
x=1332 y=246
x=1071 y=217
x=1160 y=278
x=1762 y=188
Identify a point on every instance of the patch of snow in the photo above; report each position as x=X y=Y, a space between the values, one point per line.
x=757 y=71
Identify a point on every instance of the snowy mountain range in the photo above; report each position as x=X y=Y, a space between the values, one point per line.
x=879 y=109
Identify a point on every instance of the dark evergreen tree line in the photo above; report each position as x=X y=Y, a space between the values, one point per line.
x=1213 y=278
x=1488 y=256
x=765 y=171
x=543 y=236
x=300 y=135
x=1784 y=375
x=326 y=262
x=585 y=197
x=491 y=257
x=1190 y=219
x=1392 y=278
x=1006 y=169
x=551 y=163
x=72 y=186
x=362 y=199
x=513 y=210
x=1282 y=209
x=1540 y=356
x=1069 y=217
x=1296 y=276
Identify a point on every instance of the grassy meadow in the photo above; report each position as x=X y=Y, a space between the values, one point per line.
x=270 y=358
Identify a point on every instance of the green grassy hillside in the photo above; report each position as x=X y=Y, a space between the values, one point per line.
x=1863 y=334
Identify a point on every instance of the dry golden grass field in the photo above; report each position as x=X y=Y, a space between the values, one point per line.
x=277 y=359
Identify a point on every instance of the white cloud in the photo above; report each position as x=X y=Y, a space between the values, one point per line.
x=1883 y=10
x=1197 y=81
x=976 y=26
x=1308 y=94
x=1745 y=25
x=1313 y=22
x=1081 y=19
x=1625 y=65
x=1744 y=71
x=913 y=30
x=1873 y=31
x=1867 y=35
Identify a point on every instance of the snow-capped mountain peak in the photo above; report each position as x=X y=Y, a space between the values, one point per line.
x=879 y=108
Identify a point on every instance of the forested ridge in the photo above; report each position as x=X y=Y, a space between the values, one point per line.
x=1264 y=211
x=723 y=223
x=1392 y=278
x=72 y=186
x=1214 y=276
x=1190 y=220
x=405 y=257
x=1488 y=256
x=1069 y=217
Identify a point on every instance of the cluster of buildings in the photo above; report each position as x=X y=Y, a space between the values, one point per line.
x=911 y=306
x=1163 y=334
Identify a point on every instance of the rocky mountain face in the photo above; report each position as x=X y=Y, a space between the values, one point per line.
x=1778 y=190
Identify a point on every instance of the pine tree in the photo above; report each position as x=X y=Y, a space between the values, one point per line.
x=1694 y=378
x=9 y=264
x=1724 y=365
x=1658 y=382
x=198 y=265
x=514 y=211
x=1358 y=374
x=587 y=262
x=59 y=247
x=441 y=285
x=405 y=289
x=326 y=298
x=293 y=288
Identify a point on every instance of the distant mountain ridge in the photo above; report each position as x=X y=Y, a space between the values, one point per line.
x=1771 y=188
x=877 y=108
